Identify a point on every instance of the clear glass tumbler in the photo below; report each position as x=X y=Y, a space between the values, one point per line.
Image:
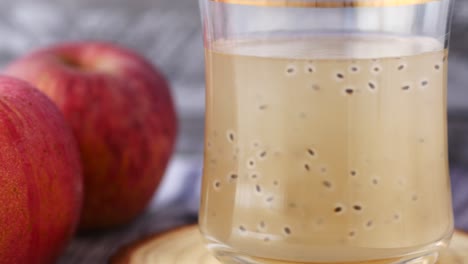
x=325 y=136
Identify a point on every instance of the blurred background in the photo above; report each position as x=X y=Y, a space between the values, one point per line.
x=168 y=32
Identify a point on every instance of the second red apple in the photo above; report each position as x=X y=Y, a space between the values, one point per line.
x=122 y=113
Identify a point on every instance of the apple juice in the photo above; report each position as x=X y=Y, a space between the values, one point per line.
x=324 y=149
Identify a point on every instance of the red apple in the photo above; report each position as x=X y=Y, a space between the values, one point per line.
x=121 y=112
x=40 y=176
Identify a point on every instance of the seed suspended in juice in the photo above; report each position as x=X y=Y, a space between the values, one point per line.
x=287 y=230
x=311 y=152
x=376 y=69
x=263 y=107
x=270 y=199
x=231 y=136
x=339 y=209
x=254 y=175
x=262 y=225
x=315 y=87
x=233 y=176
x=251 y=164
x=309 y=68
x=327 y=184
x=401 y=67
x=291 y=69
x=262 y=155
x=323 y=169
x=357 y=207
x=424 y=83
x=405 y=87
x=217 y=185
x=307 y=167
x=354 y=69
x=258 y=188
x=349 y=91
x=369 y=224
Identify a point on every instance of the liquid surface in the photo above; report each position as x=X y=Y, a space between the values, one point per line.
x=326 y=157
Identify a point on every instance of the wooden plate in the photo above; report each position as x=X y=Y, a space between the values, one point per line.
x=184 y=246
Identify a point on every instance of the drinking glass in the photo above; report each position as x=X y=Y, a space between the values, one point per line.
x=326 y=131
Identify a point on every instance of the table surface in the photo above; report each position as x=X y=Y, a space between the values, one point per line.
x=168 y=32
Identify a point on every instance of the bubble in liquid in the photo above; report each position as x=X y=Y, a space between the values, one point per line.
x=291 y=69
x=231 y=136
x=276 y=183
x=266 y=239
x=414 y=197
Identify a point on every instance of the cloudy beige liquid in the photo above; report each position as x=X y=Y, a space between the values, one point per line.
x=337 y=158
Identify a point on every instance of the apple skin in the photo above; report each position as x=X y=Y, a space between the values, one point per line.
x=40 y=176
x=122 y=114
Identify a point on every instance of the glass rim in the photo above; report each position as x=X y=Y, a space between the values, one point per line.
x=324 y=3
